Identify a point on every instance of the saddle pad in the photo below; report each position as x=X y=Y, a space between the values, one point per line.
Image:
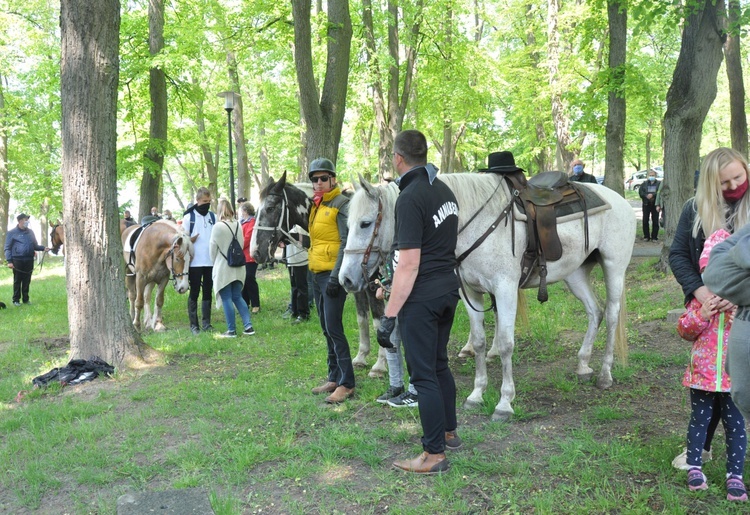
x=572 y=210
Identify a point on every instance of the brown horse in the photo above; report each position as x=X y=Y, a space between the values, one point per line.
x=57 y=235
x=162 y=251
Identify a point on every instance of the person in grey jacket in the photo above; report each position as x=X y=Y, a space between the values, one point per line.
x=728 y=276
x=20 y=245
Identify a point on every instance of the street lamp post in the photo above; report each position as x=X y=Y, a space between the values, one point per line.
x=229 y=98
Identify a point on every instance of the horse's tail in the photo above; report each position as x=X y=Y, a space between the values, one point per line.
x=621 y=336
x=522 y=310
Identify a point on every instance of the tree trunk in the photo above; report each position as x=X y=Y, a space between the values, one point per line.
x=211 y=163
x=563 y=156
x=243 y=177
x=98 y=314
x=689 y=98
x=4 y=192
x=154 y=158
x=614 y=165
x=324 y=113
x=738 y=122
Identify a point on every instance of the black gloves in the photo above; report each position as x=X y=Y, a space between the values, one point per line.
x=387 y=324
x=333 y=288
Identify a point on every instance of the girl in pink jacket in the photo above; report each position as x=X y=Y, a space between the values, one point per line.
x=709 y=382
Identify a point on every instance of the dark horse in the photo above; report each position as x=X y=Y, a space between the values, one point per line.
x=282 y=206
x=162 y=251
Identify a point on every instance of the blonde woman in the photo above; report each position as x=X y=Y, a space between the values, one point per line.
x=228 y=280
x=721 y=202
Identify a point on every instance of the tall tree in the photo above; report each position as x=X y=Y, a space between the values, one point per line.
x=390 y=101
x=154 y=158
x=89 y=74
x=689 y=98
x=4 y=191
x=563 y=154
x=738 y=117
x=324 y=112
x=615 y=133
x=244 y=184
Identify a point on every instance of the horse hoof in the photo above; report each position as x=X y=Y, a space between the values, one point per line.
x=465 y=354
x=376 y=374
x=359 y=365
x=471 y=404
x=604 y=384
x=501 y=416
x=585 y=378
x=160 y=329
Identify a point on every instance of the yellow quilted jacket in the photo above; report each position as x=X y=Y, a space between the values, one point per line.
x=325 y=240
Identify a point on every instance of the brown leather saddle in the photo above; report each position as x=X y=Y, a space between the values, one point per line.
x=541 y=198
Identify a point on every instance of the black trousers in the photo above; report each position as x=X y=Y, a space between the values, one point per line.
x=22 y=269
x=199 y=278
x=250 y=291
x=300 y=293
x=331 y=312
x=425 y=329
x=650 y=214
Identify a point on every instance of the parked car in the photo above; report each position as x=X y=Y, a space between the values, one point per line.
x=638 y=178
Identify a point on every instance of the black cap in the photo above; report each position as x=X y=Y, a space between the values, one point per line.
x=22 y=216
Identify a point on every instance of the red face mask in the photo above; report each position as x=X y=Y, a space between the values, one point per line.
x=736 y=194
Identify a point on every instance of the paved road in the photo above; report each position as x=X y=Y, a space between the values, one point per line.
x=643 y=248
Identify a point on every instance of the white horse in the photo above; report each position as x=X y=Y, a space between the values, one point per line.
x=493 y=268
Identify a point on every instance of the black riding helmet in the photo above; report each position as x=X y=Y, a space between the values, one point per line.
x=322 y=165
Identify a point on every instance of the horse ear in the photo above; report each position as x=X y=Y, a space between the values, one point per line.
x=282 y=181
x=369 y=188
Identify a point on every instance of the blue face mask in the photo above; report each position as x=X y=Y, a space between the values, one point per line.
x=651 y=179
x=578 y=169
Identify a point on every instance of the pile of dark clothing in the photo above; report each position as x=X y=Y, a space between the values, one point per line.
x=77 y=371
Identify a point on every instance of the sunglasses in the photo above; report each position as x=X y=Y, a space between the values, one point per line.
x=320 y=178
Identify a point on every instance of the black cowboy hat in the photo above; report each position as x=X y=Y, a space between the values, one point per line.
x=501 y=162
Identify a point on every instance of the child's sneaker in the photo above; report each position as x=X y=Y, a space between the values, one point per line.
x=736 y=489
x=697 y=480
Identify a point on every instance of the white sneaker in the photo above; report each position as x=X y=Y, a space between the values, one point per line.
x=680 y=461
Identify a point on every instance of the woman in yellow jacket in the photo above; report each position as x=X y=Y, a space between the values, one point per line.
x=328 y=231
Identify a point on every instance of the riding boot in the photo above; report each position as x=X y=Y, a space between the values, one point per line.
x=206 y=312
x=193 y=316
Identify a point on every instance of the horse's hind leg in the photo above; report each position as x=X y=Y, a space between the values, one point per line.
x=130 y=285
x=614 y=277
x=580 y=285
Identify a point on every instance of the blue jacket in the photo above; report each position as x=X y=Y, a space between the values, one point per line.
x=20 y=244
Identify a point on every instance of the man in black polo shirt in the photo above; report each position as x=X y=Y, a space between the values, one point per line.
x=424 y=295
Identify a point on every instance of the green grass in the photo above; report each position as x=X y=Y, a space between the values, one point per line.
x=236 y=418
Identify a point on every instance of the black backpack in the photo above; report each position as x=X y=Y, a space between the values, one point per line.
x=235 y=257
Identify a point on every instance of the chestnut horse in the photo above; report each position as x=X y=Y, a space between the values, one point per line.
x=57 y=235
x=162 y=251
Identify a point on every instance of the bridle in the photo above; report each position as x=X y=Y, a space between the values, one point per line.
x=382 y=253
x=170 y=266
x=283 y=226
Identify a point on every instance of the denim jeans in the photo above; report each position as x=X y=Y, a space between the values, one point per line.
x=232 y=294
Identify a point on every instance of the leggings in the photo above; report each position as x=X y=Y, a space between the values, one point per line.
x=702 y=403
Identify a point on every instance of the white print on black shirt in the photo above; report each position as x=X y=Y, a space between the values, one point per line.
x=447 y=209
